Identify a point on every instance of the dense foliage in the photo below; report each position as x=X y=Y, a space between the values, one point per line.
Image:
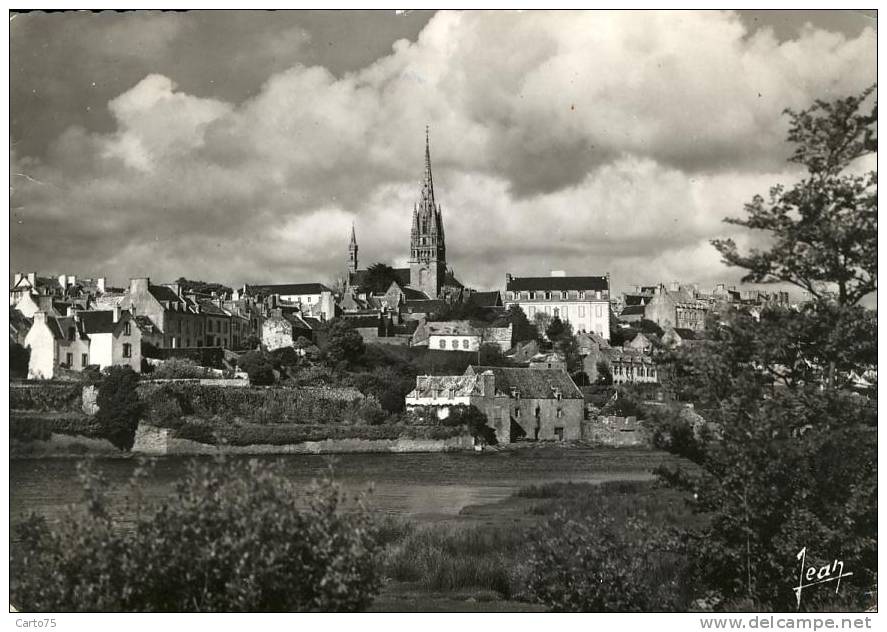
x=19 y=358
x=179 y=368
x=793 y=463
x=257 y=366
x=119 y=406
x=232 y=538
x=46 y=396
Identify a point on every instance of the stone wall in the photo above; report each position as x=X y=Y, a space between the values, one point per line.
x=158 y=441
x=616 y=432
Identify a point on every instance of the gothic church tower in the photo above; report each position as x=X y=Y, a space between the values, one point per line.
x=428 y=252
x=352 y=252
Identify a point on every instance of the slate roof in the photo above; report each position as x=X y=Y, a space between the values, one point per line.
x=425 y=306
x=210 y=308
x=531 y=383
x=288 y=288
x=484 y=299
x=411 y=294
x=633 y=310
x=452 y=328
x=593 y=283
x=145 y=324
x=401 y=275
x=97 y=321
x=441 y=385
x=686 y=334
x=163 y=293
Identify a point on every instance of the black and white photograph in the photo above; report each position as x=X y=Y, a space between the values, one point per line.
x=443 y=311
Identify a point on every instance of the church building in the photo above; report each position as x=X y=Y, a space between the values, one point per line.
x=428 y=271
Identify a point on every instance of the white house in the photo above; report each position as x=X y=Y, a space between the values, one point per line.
x=80 y=339
x=584 y=301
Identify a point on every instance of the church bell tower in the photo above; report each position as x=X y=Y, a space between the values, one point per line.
x=428 y=253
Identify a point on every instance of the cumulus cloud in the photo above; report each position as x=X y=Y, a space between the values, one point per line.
x=585 y=141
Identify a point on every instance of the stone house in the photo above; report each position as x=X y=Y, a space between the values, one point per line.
x=536 y=404
x=314 y=299
x=584 y=301
x=461 y=335
x=178 y=318
x=217 y=323
x=73 y=342
x=676 y=309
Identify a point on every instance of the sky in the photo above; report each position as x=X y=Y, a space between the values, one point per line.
x=240 y=146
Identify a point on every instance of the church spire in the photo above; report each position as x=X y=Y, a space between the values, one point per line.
x=352 y=251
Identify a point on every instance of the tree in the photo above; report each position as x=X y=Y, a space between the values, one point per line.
x=823 y=229
x=202 y=287
x=19 y=357
x=119 y=406
x=604 y=374
x=379 y=278
x=555 y=329
x=257 y=367
x=343 y=343
x=521 y=327
x=792 y=465
x=542 y=320
x=490 y=354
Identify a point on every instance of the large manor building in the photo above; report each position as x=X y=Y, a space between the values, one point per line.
x=427 y=272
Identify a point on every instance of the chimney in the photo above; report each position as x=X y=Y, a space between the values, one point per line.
x=139 y=286
x=70 y=311
x=63 y=280
x=100 y=284
x=40 y=317
x=16 y=278
x=276 y=312
x=72 y=280
x=117 y=312
x=487 y=384
x=44 y=302
x=508 y=277
x=675 y=286
x=558 y=273
x=32 y=279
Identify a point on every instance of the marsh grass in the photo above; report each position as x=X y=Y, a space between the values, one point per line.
x=448 y=557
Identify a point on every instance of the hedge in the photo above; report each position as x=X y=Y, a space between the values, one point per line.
x=46 y=397
x=284 y=434
x=164 y=403
x=39 y=427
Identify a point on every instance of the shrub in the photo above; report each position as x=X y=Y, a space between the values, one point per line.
x=46 y=397
x=179 y=368
x=232 y=538
x=119 y=406
x=289 y=434
x=19 y=357
x=590 y=565
x=39 y=426
x=257 y=367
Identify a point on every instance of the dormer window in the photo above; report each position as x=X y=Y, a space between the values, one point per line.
x=515 y=393
x=547 y=296
x=582 y=294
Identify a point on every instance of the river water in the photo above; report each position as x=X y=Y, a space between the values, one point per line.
x=423 y=486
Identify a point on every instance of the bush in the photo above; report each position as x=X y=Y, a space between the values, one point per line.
x=179 y=368
x=46 y=397
x=19 y=357
x=28 y=427
x=289 y=434
x=590 y=565
x=233 y=538
x=119 y=406
x=257 y=367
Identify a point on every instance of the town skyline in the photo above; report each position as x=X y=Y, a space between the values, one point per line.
x=261 y=183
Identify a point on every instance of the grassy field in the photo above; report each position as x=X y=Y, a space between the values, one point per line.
x=476 y=561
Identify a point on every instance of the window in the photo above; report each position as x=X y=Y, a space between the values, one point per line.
x=465 y=343
x=69 y=359
x=581 y=311
x=547 y=296
x=598 y=310
x=532 y=296
x=597 y=295
x=218 y=326
x=84 y=359
x=582 y=294
x=559 y=413
x=455 y=344
x=188 y=342
x=559 y=433
x=443 y=344
x=517 y=412
x=531 y=311
x=511 y=296
x=127 y=328
x=127 y=350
